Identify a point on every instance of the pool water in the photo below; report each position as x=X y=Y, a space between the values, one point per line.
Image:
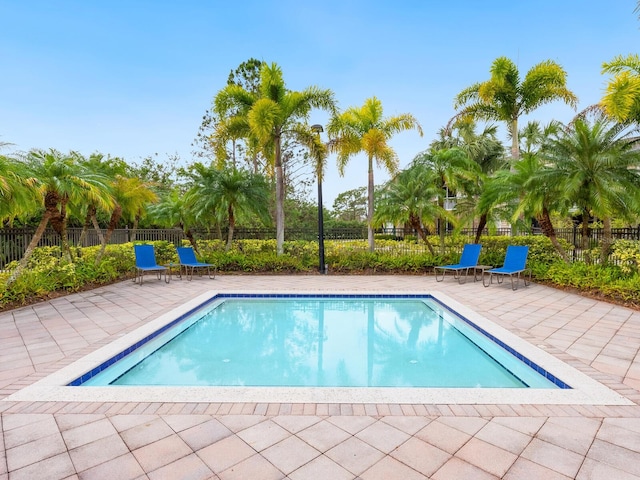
x=322 y=342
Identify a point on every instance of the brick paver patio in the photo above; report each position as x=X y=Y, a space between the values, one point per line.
x=125 y=440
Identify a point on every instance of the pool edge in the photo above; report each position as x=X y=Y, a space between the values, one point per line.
x=585 y=390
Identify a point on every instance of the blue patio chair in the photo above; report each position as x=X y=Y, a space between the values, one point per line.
x=190 y=263
x=146 y=262
x=468 y=261
x=515 y=262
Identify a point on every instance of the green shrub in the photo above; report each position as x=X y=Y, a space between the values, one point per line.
x=627 y=255
x=47 y=272
x=385 y=236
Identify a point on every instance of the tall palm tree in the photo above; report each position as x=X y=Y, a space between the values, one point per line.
x=268 y=117
x=228 y=193
x=504 y=97
x=597 y=165
x=622 y=97
x=365 y=130
x=60 y=179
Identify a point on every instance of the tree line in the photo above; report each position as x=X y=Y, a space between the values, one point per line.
x=256 y=139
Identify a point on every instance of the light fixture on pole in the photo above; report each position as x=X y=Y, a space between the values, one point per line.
x=317 y=129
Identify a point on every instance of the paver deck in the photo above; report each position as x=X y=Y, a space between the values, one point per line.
x=127 y=440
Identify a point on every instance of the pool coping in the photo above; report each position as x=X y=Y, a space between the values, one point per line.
x=584 y=391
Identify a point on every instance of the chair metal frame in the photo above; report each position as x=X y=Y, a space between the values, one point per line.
x=188 y=260
x=515 y=262
x=146 y=262
x=468 y=261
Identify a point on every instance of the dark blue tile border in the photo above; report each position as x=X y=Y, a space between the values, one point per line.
x=86 y=376
x=549 y=376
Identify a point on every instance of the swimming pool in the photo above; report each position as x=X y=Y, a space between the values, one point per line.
x=316 y=341
x=55 y=387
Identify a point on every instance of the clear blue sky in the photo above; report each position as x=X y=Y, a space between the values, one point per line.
x=132 y=78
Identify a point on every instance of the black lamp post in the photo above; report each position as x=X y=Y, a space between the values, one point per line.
x=317 y=129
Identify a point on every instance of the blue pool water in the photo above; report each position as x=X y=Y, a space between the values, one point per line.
x=341 y=341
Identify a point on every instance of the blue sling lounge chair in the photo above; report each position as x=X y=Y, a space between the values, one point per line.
x=468 y=261
x=515 y=262
x=190 y=263
x=146 y=262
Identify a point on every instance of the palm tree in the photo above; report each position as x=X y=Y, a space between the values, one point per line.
x=596 y=165
x=173 y=211
x=453 y=171
x=365 y=130
x=16 y=192
x=60 y=179
x=131 y=195
x=483 y=148
x=505 y=98
x=109 y=167
x=524 y=191
x=232 y=125
x=231 y=193
x=410 y=197
x=622 y=97
x=267 y=118
x=539 y=197
x=519 y=192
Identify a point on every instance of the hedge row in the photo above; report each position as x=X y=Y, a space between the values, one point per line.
x=47 y=273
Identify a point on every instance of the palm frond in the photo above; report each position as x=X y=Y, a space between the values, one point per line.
x=263 y=118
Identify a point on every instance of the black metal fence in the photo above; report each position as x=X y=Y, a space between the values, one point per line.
x=14 y=241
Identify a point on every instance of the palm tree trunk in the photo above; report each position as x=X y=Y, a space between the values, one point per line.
x=66 y=248
x=606 y=241
x=482 y=222
x=233 y=153
x=232 y=224
x=440 y=225
x=31 y=247
x=134 y=227
x=417 y=225
x=85 y=226
x=113 y=222
x=97 y=228
x=585 y=237
x=279 y=198
x=515 y=141
x=83 y=234
x=189 y=234
x=90 y=219
x=256 y=165
x=547 y=229
x=59 y=223
x=370 y=207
